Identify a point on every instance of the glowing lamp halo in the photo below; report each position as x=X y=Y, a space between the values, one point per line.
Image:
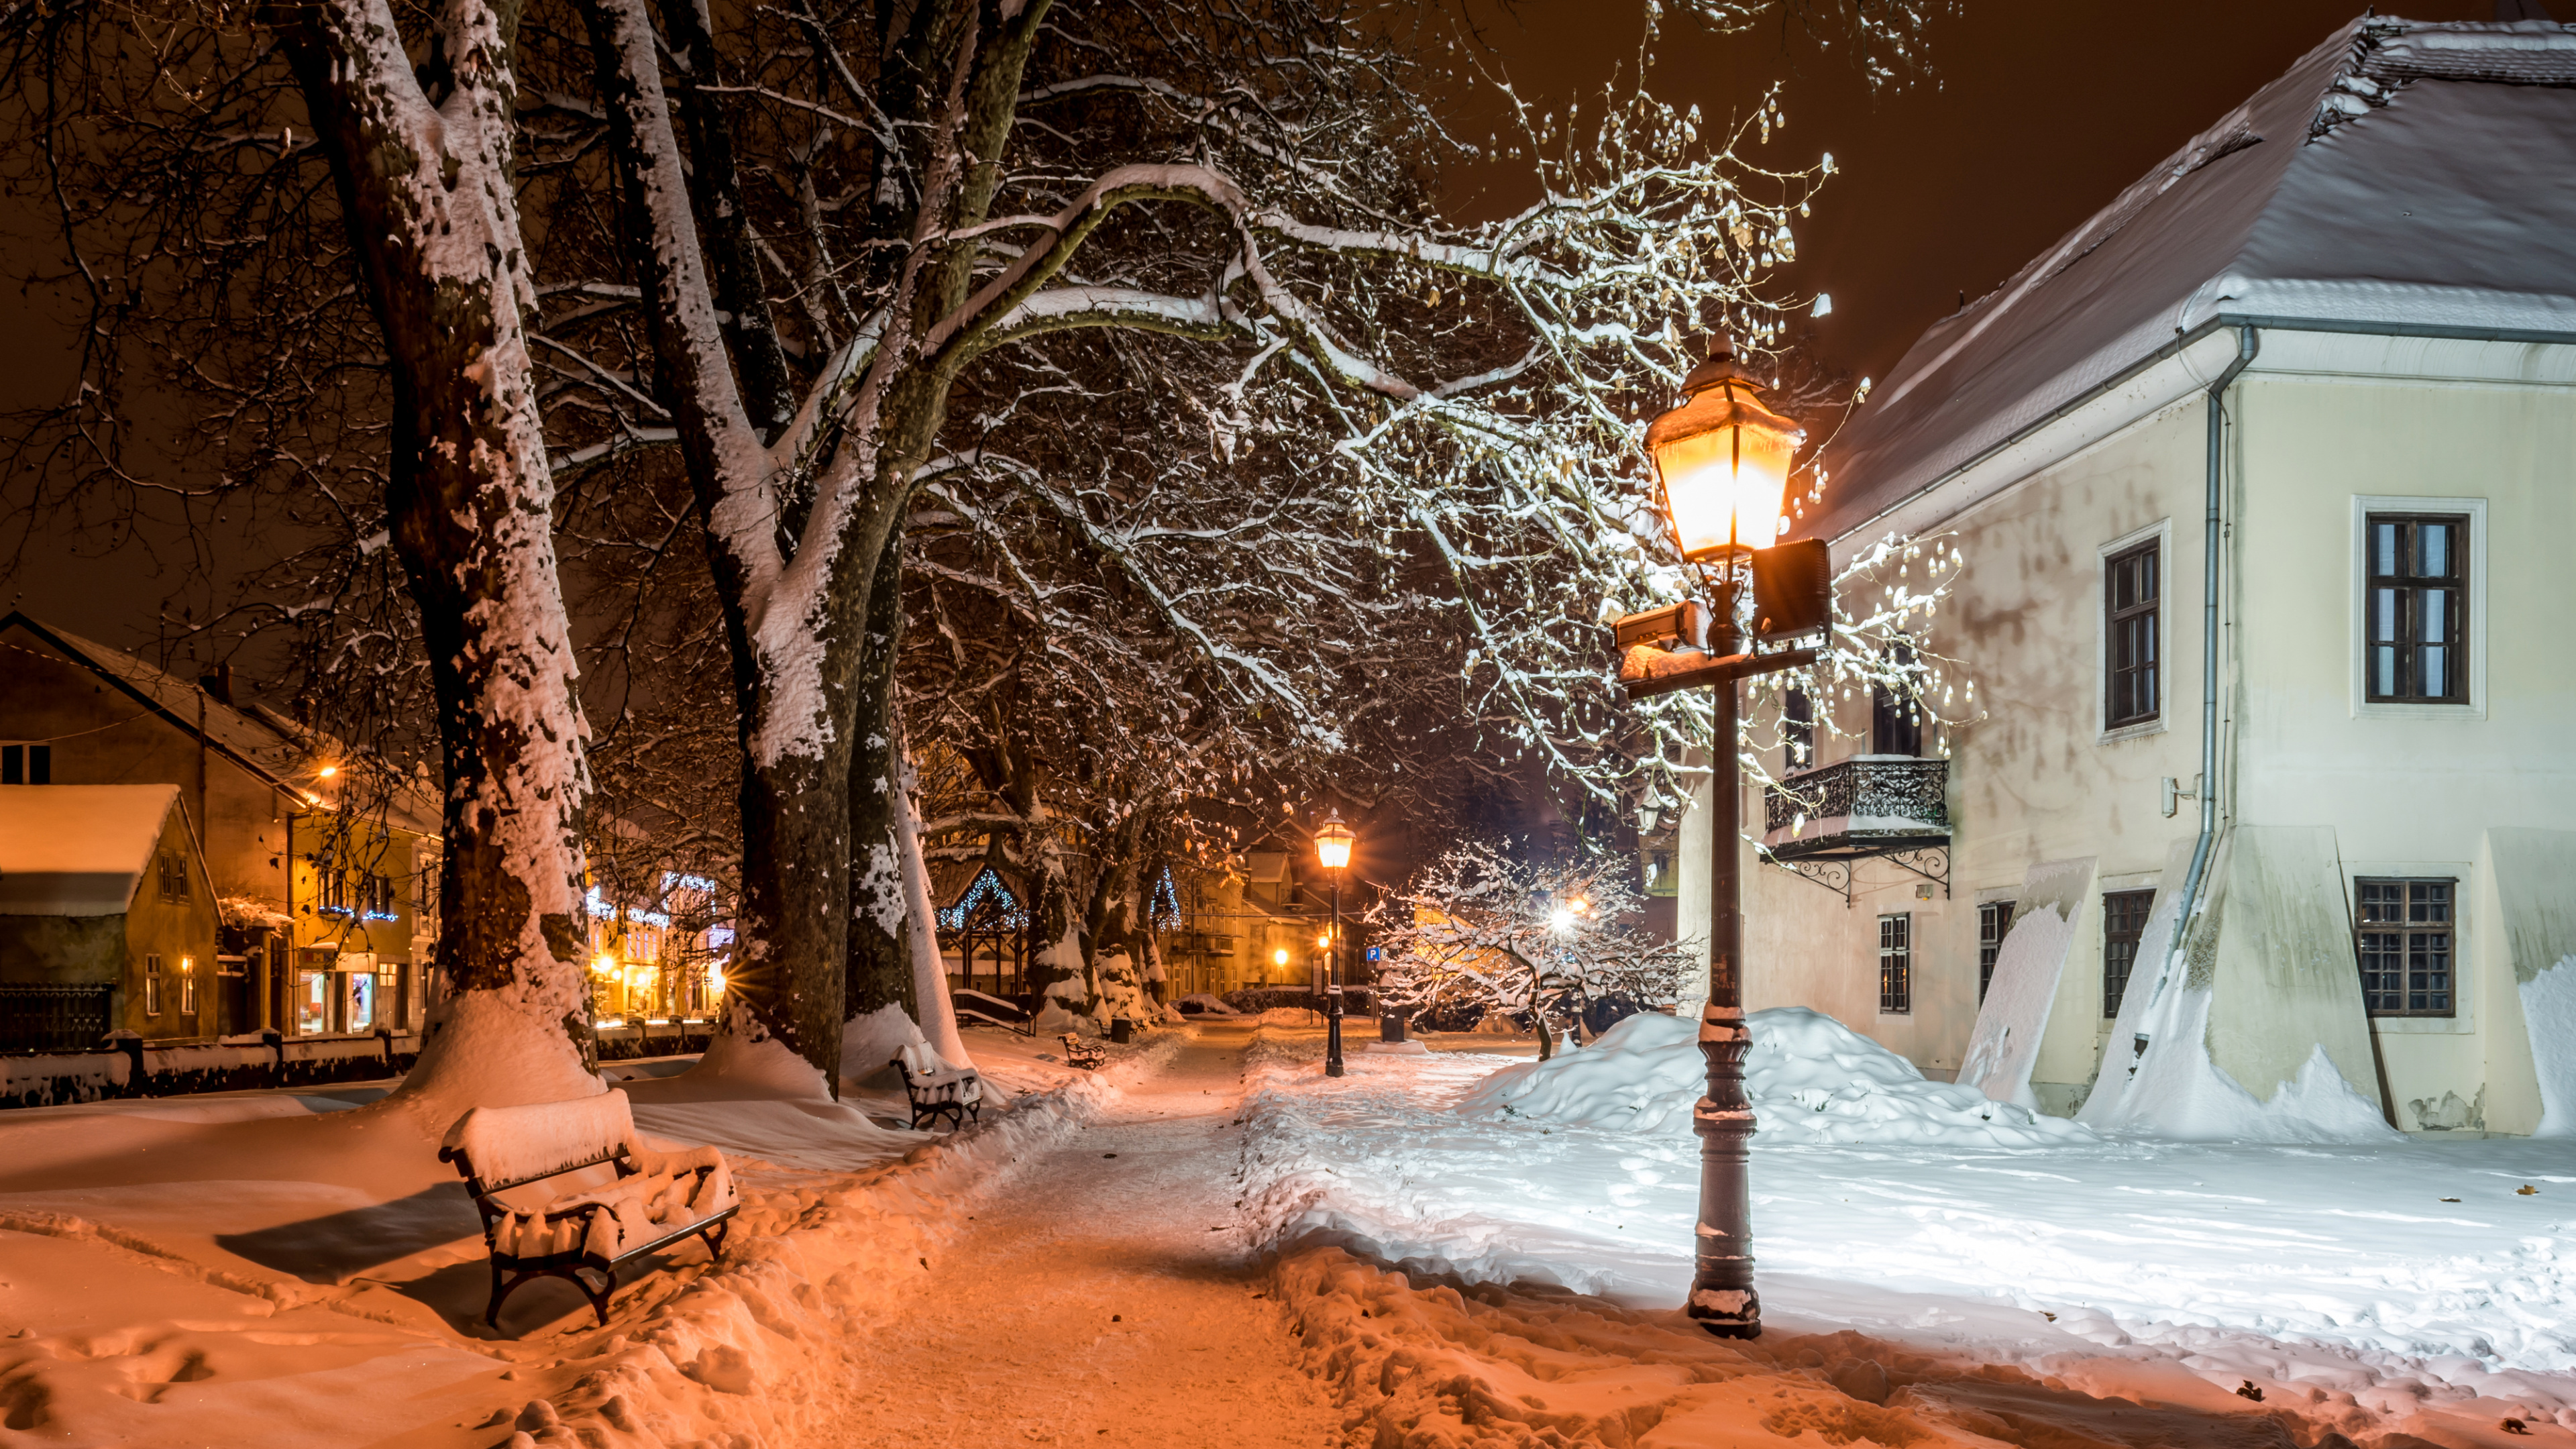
x=1722 y=459
x=1333 y=842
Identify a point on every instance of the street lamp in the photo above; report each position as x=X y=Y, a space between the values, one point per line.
x=1723 y=460
x=1333 y=842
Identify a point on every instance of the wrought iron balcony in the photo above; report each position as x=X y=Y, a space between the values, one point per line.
x=1864 y=806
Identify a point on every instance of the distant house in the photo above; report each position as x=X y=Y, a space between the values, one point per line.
x=321 y=870
x=2330 y=346
x=107 y=916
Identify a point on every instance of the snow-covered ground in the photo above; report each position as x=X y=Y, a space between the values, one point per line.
x=297 y=1268
x=2407 y=1284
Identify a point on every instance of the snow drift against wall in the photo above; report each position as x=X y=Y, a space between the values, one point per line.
x=2157 y=1076
x=2549 y=1011
x=2014 y=1015
x=1811 y=1080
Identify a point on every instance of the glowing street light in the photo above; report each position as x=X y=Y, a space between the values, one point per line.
x=1723 y=459
x=1333 y=842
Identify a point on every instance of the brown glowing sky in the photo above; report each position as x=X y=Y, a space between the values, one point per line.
x=2034 y=115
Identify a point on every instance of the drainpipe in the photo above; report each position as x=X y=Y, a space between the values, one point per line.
x=2246 y=345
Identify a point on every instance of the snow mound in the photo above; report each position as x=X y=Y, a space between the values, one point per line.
x=1812 y=1080
x=1209 y=1005
x=1290 y=1016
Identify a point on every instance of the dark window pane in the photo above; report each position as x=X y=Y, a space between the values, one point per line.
x=2403 y=947
x=2414 y=616
x=40 y=764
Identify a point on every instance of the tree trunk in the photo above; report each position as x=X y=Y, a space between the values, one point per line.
x=423 y=160
x=879 y=972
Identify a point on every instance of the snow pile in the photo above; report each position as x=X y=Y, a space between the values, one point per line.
x=2173 y=1089
x=1811 y=1080
x=2369 y=1288
x=1208 y=1005
x=1290 y=1016
x=870 y=1042
x=2549 y=1013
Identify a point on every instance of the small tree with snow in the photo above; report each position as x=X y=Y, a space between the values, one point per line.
x=1479 y=927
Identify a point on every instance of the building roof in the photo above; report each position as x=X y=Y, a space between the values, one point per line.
x=78 y=850
x=259 y=739
x=2419 y=177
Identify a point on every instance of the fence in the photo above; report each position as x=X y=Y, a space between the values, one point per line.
x=53 y=1018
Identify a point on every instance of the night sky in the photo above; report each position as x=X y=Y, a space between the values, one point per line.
x=2033 y=115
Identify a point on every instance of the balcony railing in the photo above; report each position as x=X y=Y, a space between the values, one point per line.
x=1866 y=805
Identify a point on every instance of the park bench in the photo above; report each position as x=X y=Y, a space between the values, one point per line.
x=565 y=1186
x=1083 y=1054
x=937 y=1089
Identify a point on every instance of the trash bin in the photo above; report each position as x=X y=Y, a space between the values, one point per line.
x=1390 y=1027
x=1121 y=1029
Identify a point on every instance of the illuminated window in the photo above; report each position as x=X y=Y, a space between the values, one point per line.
x=1896 y=964
x=151 y=986
x=187 y=987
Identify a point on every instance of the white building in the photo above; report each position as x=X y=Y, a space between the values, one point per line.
x=2330 y=344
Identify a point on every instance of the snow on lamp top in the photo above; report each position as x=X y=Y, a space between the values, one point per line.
x=1333 y=842
x=1724 y=460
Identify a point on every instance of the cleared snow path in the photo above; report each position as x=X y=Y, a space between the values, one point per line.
x=1102 y=1298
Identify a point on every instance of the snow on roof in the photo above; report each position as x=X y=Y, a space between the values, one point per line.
x=2402 y=173
x=78 y=850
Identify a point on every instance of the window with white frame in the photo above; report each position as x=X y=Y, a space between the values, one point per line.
x=2415 y=616
x=2402 y=935
x=2132 y=589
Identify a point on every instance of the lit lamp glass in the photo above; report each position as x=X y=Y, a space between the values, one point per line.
x=1723 y=459
x=1333 y=842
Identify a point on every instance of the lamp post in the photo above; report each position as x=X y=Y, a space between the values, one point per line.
x=1333 y=842
x=1723 y=460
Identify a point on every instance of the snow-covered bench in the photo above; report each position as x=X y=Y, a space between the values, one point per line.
x=1083 y=1054
x=937 y=1089
x=564 y=1186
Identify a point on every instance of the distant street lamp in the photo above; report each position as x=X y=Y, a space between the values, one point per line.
x=1333 y=842
x=1723 y=461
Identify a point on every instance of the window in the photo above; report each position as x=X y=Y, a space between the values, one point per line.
x=151 y=986
x=1798 y=728
x=1896 y=964
x=187 y=986
x=1895 y=723
x=24 y=764
x=2124 y=920
x=1993 y=919
x=2415 y=609
x=2402 y=933
x=174 y=876
x=2132 y=584
x=331 y=886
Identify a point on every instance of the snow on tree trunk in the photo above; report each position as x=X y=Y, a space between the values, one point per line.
x=938 y=1014
x=879 y=972
x=423 y=163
